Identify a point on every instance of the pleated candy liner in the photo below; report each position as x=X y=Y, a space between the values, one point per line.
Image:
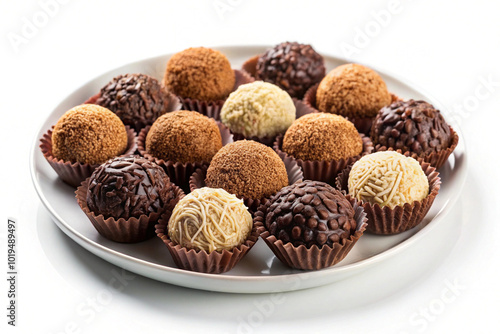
x=201 y=261
x=301 y=109
x=179 y=172
x=294 y=173
x=436 y=159
x=212 y=108
x=313 y=258
x=387 y=221
x=123 y=230
x=325 y=171
x=362 y=124
x=76 y=172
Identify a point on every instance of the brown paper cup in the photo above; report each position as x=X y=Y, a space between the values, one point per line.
x=212 y=108
x=197 y=180
x=384 y=220
x=201 y=261
x=362 y=124
x=312 y=258
x=436 y=159
x=179 y=172
x=301 y=109
x=325 y=171
x=125 y=230
x=74 y=173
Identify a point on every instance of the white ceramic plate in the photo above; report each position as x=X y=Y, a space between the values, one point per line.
x=259 y=271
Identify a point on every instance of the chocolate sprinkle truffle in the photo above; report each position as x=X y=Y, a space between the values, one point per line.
x=292 y=66
x=199 y=73
x=137 y=99
x=88 y=134
x=322 y=137
x=414 y=126
x=310 y=213
x=126 y=187
x=184 y=136
x=352 y=90
x=247 y=169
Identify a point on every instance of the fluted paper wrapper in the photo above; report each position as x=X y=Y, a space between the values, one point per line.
x=130 y=230
x=293 y=171
x=386 y=221
x=179 y=172
x=313 y=258
x=325 y=171
x=301 y=109
x=435 y=159
x=212 y=108
x=201 y=261
x=362 y=124
x=76 y=172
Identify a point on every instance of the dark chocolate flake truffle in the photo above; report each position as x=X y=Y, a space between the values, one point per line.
x=292 y=66
x=137 y=99
x=127 y=187
x=414 y=126
x=310 y=213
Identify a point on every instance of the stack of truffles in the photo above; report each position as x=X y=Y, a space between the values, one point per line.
x=209 y=158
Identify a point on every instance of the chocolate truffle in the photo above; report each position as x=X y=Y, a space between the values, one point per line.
x=292 y=66
x=352 y=90
x=258 y=109
x=388 y=179
x=322 y=137
x=210 y=220
x=310 y=213
x=199 y=73
x=88 y=134
x=137 y=99
x=247 y=169
x=184 y=136
x=414 y=126
x=127 y=187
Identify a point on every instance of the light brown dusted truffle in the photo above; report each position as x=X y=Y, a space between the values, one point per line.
x=321 y=136
x=352 y=90
x=199 y=73
x=184 y=136
x=247 y=169
x=89 y=134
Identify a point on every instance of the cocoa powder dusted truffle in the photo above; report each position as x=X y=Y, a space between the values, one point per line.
x=127 y=187
x=184 y=136
x=321 y=136
x=88 y=134
x=352 y=90
x=199 y=73
x=310 y=213
x=292 y=66
x=414 y=126
x=247 y=169
x=137 y=99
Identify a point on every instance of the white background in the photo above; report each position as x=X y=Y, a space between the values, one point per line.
x=450 y=48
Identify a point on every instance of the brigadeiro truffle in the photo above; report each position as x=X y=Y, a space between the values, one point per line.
x=247 y=169
x=137 y=99
x=415 y=128
x=209 y=231
x=395 y=191
x=292 y=66
x=125 y=197
x=199 y=73
x=310 y=225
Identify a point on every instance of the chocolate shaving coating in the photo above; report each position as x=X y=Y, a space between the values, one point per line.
x=292 y=66
x=137 y=99
x=310 y=213
x=414 y=126
x=128 y=187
